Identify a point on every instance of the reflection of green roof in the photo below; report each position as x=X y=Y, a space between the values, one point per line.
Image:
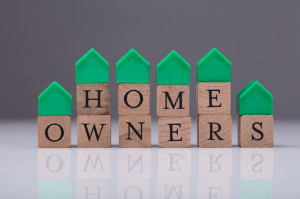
x=55 y=188
x=214 y=67
x=132 y=68
x=173 y=69
x=55 y=100
x=254 y=99
x=255 y=189
x=92 y=68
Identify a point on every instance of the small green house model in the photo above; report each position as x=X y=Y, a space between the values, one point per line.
x=92 y=68
x=214 y=67
x=54 y=101
x=132 y=68
x=173 y=70
x=254 y=99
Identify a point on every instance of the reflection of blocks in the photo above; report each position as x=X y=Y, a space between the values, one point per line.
x=173 y=100
x=54 y=131
x=214 y=189
x=133 y=99
x=93 y=131
x=93 y=189
x=215 y=131
x=135 y=131
x=258 y=189
x=135 y=163
x=174 y=162
x=257 y=163
x=93 y=164
x=173 y=188
x=174 y=132
x=54 y=188
x=134 y=188
x=54 y=163
x=215 y=164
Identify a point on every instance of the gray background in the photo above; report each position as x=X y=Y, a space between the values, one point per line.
x=41 y=40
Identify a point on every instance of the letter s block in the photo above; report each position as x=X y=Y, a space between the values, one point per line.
x=54 y=131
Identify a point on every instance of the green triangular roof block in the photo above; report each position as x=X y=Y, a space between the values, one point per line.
x=258 y=189
x=54 y=188
x=254 y=99
x=55 y=100
x=132 y=68
x=214 y=67
x=173 y=70
x=92 y=68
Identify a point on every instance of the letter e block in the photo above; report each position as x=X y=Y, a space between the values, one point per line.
x=213 y=98
x=54 y=131
x=174 y=132
x=256 y=131
x=135 y=131
x=215 y=131
x=93 y=131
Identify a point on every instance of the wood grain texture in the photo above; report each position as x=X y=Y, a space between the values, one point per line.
x=181 y=128
x=142 y=124
x=91 y=90
x=215 y=131
x=132 y=95
x=213 y=98
x=88 y=126
x=252 y=127
x=54 y=131
x=174 y=91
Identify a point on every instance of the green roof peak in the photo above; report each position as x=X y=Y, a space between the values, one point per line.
x=214 y=67
x=92 y=68
x=132 y=68
x=254 y=99
x=54 y=100
x=173 y=70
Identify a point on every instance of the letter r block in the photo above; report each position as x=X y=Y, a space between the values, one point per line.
x=133 y=99
x=93 y=131
x=54 y=131
x=213 y=98
x=173 y=100
x=256 y=131
x=215 y=131
x=135 y=131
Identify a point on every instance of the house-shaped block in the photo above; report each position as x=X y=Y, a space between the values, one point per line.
x=54 y=101
x=254 y=99
x=132 y=68
x=214 y=67
x=173 y=70
x=92 y=68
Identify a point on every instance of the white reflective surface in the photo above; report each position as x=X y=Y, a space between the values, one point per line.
x=29 y=172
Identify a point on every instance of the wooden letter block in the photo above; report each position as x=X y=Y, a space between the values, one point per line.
x=173 y=100
x=135 y=131
x=256 y=131
x=213 y=98
x=174 y=132
x=93 y=131
x=215 y=131
x=93 y=99
x=54 y=131
x=133 y=99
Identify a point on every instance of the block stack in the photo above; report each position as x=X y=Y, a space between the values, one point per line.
x=132 y=76
x=173 y=101
x=54 y=117
x=255 y=110
x=93 y=101
x=213 y=101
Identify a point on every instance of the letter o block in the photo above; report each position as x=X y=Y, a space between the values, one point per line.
x=54 y=131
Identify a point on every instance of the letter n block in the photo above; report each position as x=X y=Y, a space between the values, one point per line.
x=213 y=98
x=135 y=131
x=256 y=131
x=215 y=131
x=173 y=100
x=93 y=131
x=93 y=99
x=54 y=131
x=174 y=132
x=134 y=99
